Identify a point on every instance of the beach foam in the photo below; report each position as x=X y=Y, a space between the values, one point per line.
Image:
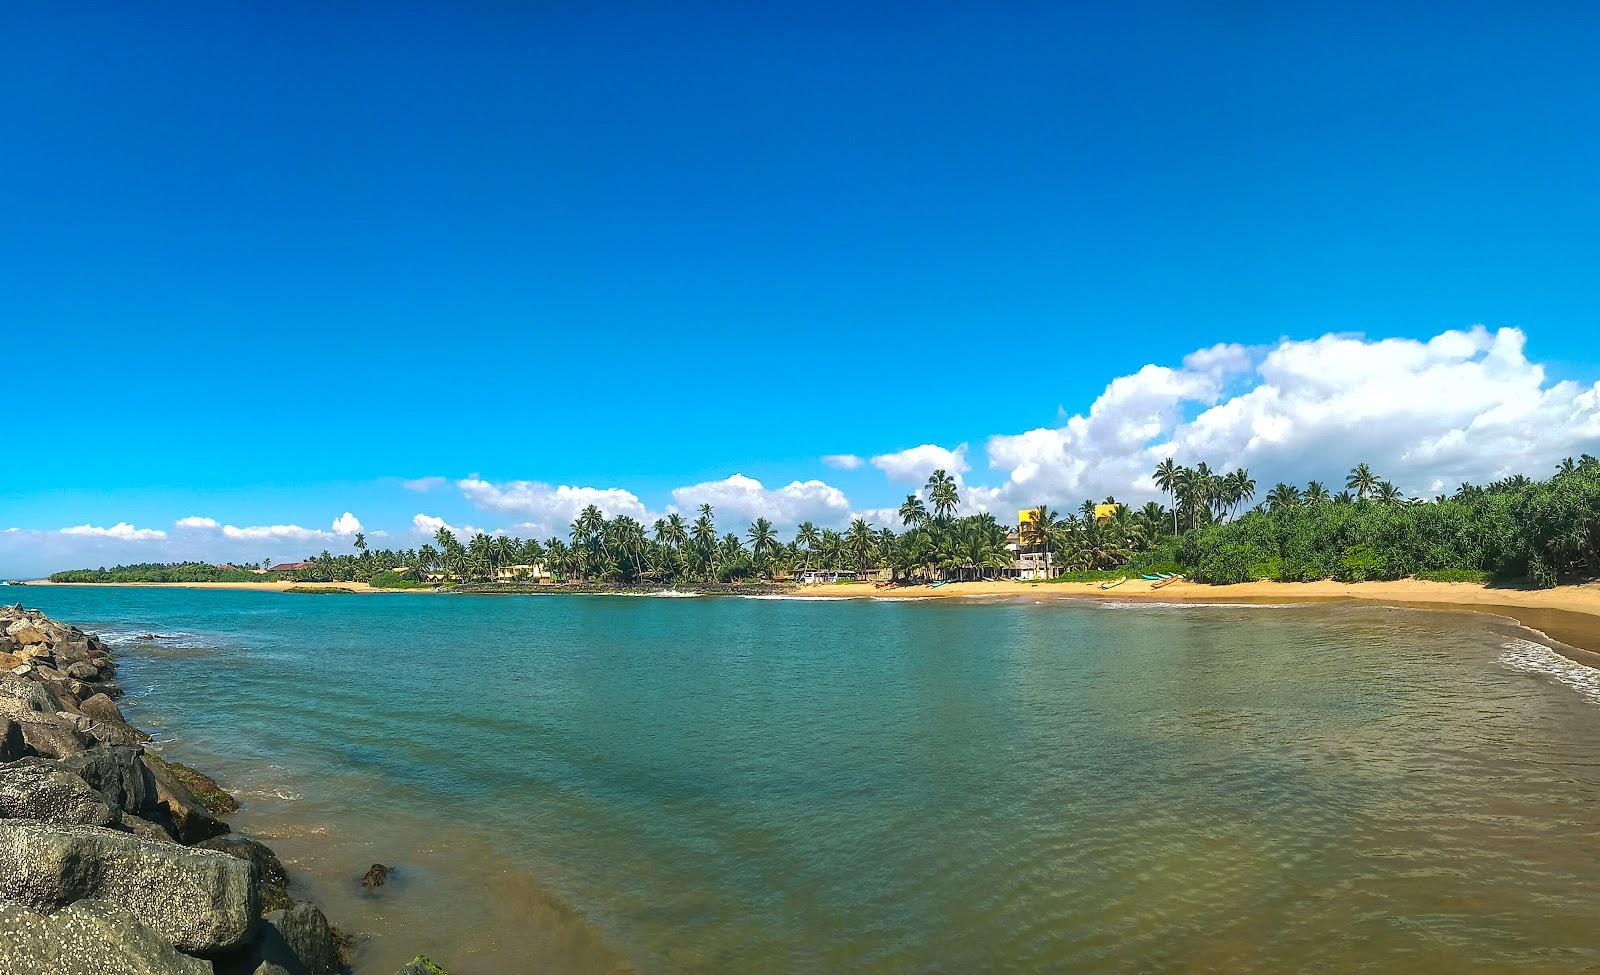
x=1536 y=658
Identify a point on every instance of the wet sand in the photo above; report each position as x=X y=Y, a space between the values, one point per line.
x=1567 y=614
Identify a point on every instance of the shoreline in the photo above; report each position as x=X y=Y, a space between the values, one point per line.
x=1569 y=614
x=114 y=854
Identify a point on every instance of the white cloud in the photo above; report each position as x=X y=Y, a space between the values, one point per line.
x=425 y=484
x=346 y=524
x=845 y=462
x=121 y=531
x=914 y=464
x=550 y=508
x=428 y=525
x=743 y=499
x=197 y=521
x=1464 y=405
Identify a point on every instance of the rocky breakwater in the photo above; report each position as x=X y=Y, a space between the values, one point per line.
x=109 y=864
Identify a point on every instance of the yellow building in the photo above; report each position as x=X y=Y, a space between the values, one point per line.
x=1106 y=512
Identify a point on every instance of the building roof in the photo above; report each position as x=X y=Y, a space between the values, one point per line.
x=290 y=566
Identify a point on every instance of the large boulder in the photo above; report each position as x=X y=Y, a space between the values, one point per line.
x=27 y=633
x=420 y=965
x=35 y=789
x=19 y=696
x=273 y=878
x=200 y=901
x=121 y=777
x=83 y=671
x=191 y=821
x=52 y=737
x=296 y=941
x=86 y=938
x=12 y=747
x=102 y=708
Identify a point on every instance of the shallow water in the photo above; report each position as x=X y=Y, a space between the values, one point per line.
x=594 y=784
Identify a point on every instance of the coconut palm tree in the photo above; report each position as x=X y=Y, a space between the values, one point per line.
x=1315 y=493
x=1387 y=492
x=1283 y=497
x=1167 y=479
x=942 y=492
x=912 y=511
x=763 y=540
x=860 y=542
x=1361 y=480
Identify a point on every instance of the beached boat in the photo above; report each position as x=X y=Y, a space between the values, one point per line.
x=1113 y=583
x=1167 y=581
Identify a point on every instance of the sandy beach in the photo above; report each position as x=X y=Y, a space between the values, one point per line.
x=1568 y=614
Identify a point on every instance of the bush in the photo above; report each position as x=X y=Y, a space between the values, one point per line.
x=1454 y=575
x=1229 y=563
x=395 y=580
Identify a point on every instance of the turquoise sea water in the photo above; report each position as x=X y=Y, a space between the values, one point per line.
x=604 y=784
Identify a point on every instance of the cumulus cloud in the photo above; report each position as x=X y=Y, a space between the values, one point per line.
x=742 y=498
x=1463 y=405
x=550 y=508
x=196 y=521
x=428 y=525
x=914 y=464
x=121 y=531
x=845 y=462
x=346 y=524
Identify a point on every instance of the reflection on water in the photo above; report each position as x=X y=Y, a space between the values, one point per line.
x=721 y=785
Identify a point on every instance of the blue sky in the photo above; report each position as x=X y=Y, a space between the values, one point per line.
x=264 y=262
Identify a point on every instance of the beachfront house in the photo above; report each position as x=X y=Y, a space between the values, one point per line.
x=818 y=577
x=290 y=567
x=521 y=573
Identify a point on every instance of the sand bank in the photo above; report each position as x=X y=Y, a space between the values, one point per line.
x=1568 y=614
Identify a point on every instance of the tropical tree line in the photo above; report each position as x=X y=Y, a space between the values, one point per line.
x=1514 y=528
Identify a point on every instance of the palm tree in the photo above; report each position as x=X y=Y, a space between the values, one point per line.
x=912 y=511
x=361 y=542
x=859 y=541
x=1568 y=466
x=1316 y=493
x=1283 y=496
x=942 y=492
x=763 y=540
x=1042 y=530
x=1167 y=480
x=1238 y=487
x=808 y=537
x=1361 y=480
x=1388 y=493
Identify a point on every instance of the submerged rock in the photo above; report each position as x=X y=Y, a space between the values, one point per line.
x=39 y=790
x=375 y=876
x=198 y=900
x=420 y=965
x=86 y=939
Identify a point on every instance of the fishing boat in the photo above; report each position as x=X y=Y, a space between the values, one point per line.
x=1166 y=581
x=1113 y=583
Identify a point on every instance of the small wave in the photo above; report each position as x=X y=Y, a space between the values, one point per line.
x=673 y=594
x=803 y=599
x=176 y=640
x=1536 y=658
x=285 y=794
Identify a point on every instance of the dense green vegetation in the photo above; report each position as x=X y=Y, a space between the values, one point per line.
x=1544 y=532
x=159 y=572
x=1515 y=529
